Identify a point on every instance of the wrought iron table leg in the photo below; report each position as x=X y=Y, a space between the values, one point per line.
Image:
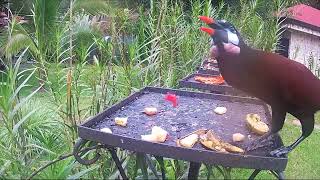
x=161 y=163
x=118 y=163
x=281 y=175
x=254 y=174
x=278 y=174
x=194 y=170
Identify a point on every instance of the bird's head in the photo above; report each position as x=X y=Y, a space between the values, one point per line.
x=225 y=37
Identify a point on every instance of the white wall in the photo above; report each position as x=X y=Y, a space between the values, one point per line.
x=303 y=43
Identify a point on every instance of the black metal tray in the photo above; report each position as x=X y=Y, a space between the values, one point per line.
x=201 y=70
x=194 y=111
x=190 y=82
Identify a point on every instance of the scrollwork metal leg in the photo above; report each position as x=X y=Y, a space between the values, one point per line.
x=278 y=174
x=254 y=174
x=77 y=152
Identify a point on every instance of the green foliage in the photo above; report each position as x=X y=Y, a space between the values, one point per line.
x=259 y=28
x=154 y=46
x=49 y=32
x=92 y=6
x=13 y=131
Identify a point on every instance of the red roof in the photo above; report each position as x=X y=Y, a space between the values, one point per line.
x=306 y=14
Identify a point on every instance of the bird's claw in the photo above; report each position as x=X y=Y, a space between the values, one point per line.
x=280 y=152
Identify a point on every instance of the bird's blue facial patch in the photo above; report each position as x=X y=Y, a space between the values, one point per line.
x=233 y=37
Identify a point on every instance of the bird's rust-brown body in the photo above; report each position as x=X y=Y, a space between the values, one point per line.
x=275 y=79
x=287 y=86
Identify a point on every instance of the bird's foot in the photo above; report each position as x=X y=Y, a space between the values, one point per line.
x=262 y=141
x=281 y=152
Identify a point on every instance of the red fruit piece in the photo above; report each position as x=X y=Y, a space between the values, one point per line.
x=172 y=98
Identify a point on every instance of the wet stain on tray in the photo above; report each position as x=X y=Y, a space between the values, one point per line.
x=192 y=113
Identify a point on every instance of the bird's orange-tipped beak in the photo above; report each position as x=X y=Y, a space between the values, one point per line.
x=210 y=31
x=206 y=19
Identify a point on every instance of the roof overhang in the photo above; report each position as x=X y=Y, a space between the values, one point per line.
x=297 y=25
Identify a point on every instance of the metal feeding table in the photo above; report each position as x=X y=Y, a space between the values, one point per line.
x=194 y=111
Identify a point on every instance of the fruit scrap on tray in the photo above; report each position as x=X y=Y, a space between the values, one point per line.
x=150 y=111
x=157 y=135
x=220 y=110
x=121 y=121
x=212 y=141
x=237 y=137
x=172 y=98
x=255 y=124
x=106 y=130
x=214 y=80
x=191 y=139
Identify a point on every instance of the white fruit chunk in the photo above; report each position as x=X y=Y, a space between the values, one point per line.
x=160 y=133
x=157 y=135
x=238 y=137
x=149 y=137
x=220 y=110
x=106 y=130
x=189 y=141
x=150 y=111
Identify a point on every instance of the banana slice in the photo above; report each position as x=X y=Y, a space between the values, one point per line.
x=220 y=110
x=121 y=121
x=255 y=124
x=212 y=141
x=231 y=148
